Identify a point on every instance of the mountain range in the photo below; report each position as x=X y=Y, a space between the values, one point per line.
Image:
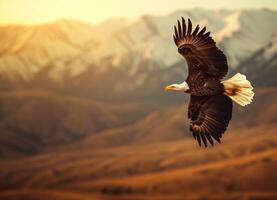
x=127 y=57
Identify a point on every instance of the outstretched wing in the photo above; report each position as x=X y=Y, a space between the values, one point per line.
x=200 y=50
x=210 y=116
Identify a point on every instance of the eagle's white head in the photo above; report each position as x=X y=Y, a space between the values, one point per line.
x=182 y=87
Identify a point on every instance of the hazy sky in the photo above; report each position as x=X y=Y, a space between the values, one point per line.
x=95 y=11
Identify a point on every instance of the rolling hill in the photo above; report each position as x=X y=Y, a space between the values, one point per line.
x=170 y=123
x=152 y=158
x=172 y=170
x=32 y=121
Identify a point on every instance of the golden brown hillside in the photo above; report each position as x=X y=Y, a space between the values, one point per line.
x=242 y=165
x=170 y=123
x=33 y=121
x=155 y=158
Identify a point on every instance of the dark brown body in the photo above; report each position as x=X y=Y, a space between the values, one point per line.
x=203 y=85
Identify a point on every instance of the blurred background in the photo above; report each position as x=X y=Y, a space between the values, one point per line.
x=83 y=114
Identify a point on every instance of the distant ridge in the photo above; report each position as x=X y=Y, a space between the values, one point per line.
x=69 y=56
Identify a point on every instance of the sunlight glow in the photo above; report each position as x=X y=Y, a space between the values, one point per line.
x=95 y=11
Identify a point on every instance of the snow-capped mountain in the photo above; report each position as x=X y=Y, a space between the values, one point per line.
x=121 y=53
x=261 y=67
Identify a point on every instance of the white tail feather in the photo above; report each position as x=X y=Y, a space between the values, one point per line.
x=239 y=89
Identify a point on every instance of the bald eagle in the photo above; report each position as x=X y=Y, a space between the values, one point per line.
x=210 y=106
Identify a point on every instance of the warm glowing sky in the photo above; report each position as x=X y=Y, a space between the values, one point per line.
x=95 y=11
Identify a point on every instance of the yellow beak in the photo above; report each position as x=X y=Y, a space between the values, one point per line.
x=168 y=88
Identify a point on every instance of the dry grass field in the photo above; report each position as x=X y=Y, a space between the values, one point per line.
x=155 y=158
